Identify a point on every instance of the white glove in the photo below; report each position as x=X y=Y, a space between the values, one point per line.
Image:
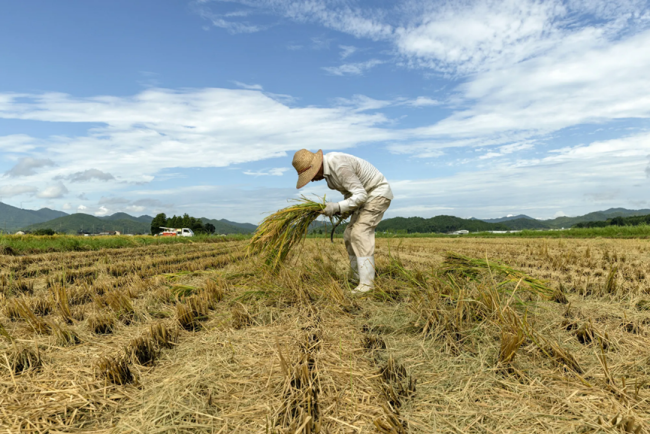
x=331 y=208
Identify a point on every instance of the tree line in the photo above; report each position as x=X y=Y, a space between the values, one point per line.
x=617 y=221
x=184 y=221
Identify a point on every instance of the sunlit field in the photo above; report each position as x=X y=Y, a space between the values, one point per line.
x=503 y=335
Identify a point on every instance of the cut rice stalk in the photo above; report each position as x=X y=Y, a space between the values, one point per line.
x=472 y=267
x=281 y=231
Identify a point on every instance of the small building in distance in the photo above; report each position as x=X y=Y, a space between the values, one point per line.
x=460 y=232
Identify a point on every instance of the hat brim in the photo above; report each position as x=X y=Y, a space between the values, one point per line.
x=308 y=175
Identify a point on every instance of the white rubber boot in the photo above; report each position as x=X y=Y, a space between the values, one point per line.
x=366 y=274
x=354 y=269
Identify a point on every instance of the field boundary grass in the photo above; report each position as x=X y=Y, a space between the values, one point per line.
x=26 y=244
x=623 y=232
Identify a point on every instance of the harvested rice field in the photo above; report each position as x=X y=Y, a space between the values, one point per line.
x=502 y=336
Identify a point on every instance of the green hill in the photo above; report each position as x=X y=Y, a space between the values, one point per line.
x=524 y=223
x=597 y=216
x=125 y=216
x=12 y=218
x=438 y=224
x=72 y=224
x=229 y=228
x=246 y=226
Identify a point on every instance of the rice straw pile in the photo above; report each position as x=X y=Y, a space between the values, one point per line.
x=281 y=231
x=472 y=267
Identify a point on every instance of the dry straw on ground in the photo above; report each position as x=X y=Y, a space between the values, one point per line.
x=463 y=346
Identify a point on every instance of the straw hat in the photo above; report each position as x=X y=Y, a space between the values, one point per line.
x=307 y=164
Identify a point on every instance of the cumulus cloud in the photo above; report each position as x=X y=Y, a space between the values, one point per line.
x=89 y=175
x=572 y=179
x=53 y=192
x=209 y=127
x=27 y=166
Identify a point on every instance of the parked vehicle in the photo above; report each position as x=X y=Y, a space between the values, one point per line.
x=176 y=232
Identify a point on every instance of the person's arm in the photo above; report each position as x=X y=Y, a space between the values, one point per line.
x=350 y=181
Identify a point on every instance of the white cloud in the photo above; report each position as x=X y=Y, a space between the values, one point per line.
x=226 y=22
x=81 y=208
x=576 y=179
x=88 y=175
x=507 y=149
x=53 y=192
x=421 y=101
x=145 y=133
x=347 y=50
x=27 y=166
x=66 y=206
x=277 y=171
x=248 y=86
x=102 y=211
x=353 y=68
x=7 y=191
x=17 y=142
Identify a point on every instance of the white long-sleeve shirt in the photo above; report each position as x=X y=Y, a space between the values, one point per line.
x=358 y=180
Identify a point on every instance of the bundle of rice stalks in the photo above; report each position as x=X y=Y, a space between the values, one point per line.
x=281 y=231
x=190 y=312
x=164 y=337
x=101 y=324
x=142 y=350
x=472 y=268
x=60 y=296
x=115 y=370
x=37 y=324
x=121 y=304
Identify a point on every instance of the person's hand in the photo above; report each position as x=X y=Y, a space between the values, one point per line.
x=331 y=208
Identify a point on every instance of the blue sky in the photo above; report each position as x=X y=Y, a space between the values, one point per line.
x=470 y=108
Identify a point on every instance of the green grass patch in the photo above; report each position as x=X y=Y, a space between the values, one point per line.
x=22 y=244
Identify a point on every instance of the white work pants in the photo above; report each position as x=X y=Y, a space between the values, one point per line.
x=359 y=236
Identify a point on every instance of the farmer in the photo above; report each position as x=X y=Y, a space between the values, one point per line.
x=367 y=196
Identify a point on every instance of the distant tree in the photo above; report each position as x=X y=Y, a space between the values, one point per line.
x=209 y=228
x=617 y=221
x=47 y=231
x=157 y=222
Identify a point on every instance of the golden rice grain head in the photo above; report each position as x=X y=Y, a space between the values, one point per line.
x=510 y=343
x=101 y=324
x=115 y=370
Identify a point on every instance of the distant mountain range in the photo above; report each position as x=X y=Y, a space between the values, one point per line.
x=13 y=219
x=523 y=221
